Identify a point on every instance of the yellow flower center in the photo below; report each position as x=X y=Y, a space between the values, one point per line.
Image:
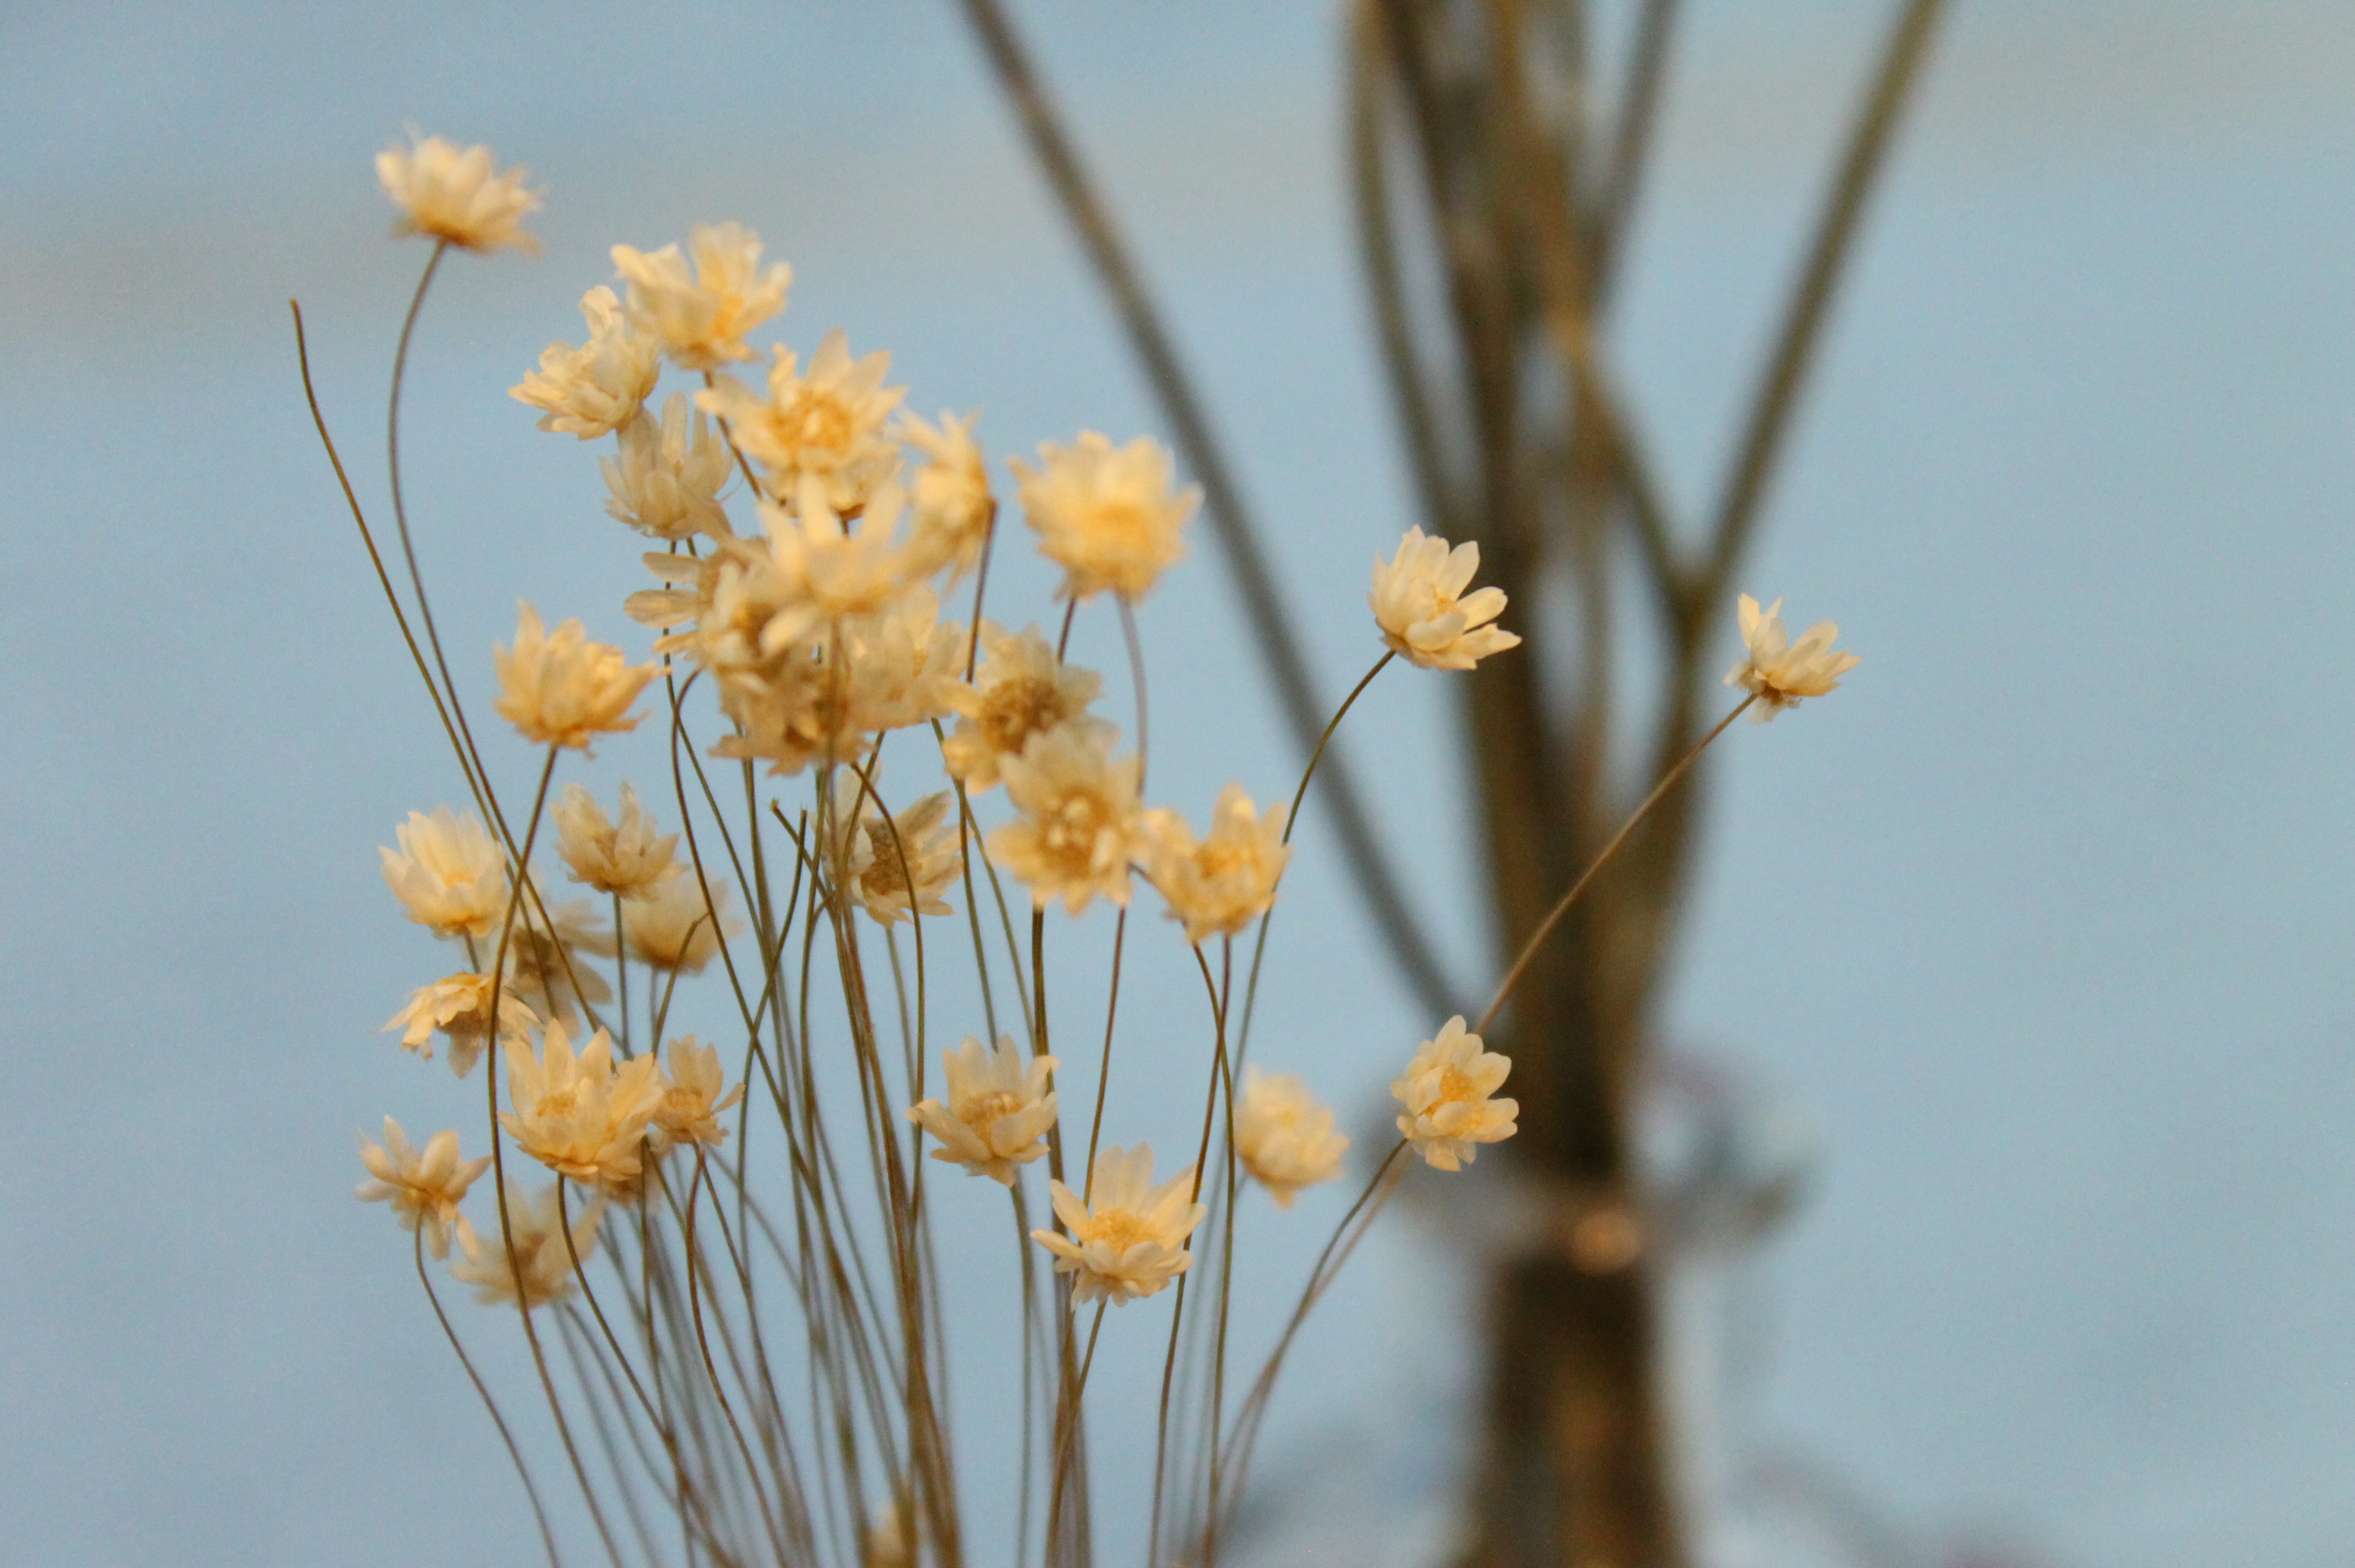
x=1070 y=831
x=815 y=420
x=1453 y=1086
x=979 y=1113
x=1120 y=1230
x=1014 y=710
x=1122 y=524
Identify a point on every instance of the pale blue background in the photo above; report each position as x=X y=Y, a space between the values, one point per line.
x=2047 y=915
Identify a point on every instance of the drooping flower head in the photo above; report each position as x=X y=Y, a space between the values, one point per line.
x=667 y=479
x=1424 y=612
x=823 y=425
x=700 y=317
x=542 y=1255
x=1285 y=1138
x=559 y=688
x=446 y=194
x=459 y=1006
x=1106 y=514
x=692 y=1100
x=1446 y=1094
x=424 y=1189
x=1221 y=883
x=1127 y=1238
x=954 y=507
x=1019 y=690
x=448 y=873
x=598 y=387
x=999 y=1109
x=622 y=858
x=581 y=1116
x=1780 y=672
x=1079 y=824
x=898 y=865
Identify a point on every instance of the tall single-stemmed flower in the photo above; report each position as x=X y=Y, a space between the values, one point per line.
x=1419 y=604
x=1080 y=823
x=1779 y=672
x=1285 y=1138
x=448 y=873
x=598 y=387
x=700 y=317
x=999 y=1109
x=665 y=481
x=1220 y=884
x=423 y=1188
x=581 y=1116
x=1446 y=1092
x=1106 y=514
x=559 y=689
x=954 y=506
x=541 y=1253
x=898 y=865
x=623 y=858
x=1019 y=690
x=1127 y=1238
x=669 y=927
x=458 y=1007
x=691 y=1098
x=823 y=425
x=457 y=196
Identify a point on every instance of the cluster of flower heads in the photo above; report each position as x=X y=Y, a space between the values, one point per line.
x=820 y=630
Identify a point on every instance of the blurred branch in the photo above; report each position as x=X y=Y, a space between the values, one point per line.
x=1271 y=624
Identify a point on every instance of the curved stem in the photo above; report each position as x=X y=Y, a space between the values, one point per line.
x=538 y=1513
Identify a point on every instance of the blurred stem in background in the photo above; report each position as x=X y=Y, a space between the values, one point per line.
x=1498 y=159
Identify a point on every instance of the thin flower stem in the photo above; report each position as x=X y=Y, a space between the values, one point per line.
x=1546 y=927
x=1066 y=1425
x=1136 y=680
x=1104 y=1070
x=538 y=1513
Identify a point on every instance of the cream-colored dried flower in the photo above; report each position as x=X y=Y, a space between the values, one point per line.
x=1079 y=824
x=1128 y=1237
x=667 y=479
x=1225 y=881
x=598 y=387
x=999 y=1111
x=544 y=1257
x=1779 y=672
x=1446 y=1093
x=424 y=1189
x=624 y=857
x=1420 y=604
x=691 y=1100
x=459 y=1006
x=581 y=1116
x=701 y=318
x=824 y=425
x=548 y=964
x=1020 y=689
x=824 y=570
x=954 y=507
x=1285 y=1138
x=825 y=699
x=559 y=689
x=1106 y=514
x=668 y=926
x=897 y=865
x=448 y=873
x=455 y=196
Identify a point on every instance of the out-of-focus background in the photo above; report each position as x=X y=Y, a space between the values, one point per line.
x=2046 y=914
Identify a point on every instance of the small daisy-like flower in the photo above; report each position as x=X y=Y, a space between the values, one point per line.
x=1222 y=883
x=954 y=507
x=598 y=387
x=448 y=873
x=701 y=318
x=457 y=196
x=622 y=858
x=669 y=927
x=1420 y=604
x=544 y=1259
x=691 y=1100
x=825 y=571
x=1285 y=1138
x=824 y=424
x=548 y=967
x=898 y=865
x=1106 y=514
x=1779 y=672
x=459 y=1006
x=559 y=688
x=1019 y=690
x=579 y=1115
x=666 y=480
x=1446 y=1093
x=999 y=1111
x=1080 y=824
x=1127 y=1239
x=424 y=1189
